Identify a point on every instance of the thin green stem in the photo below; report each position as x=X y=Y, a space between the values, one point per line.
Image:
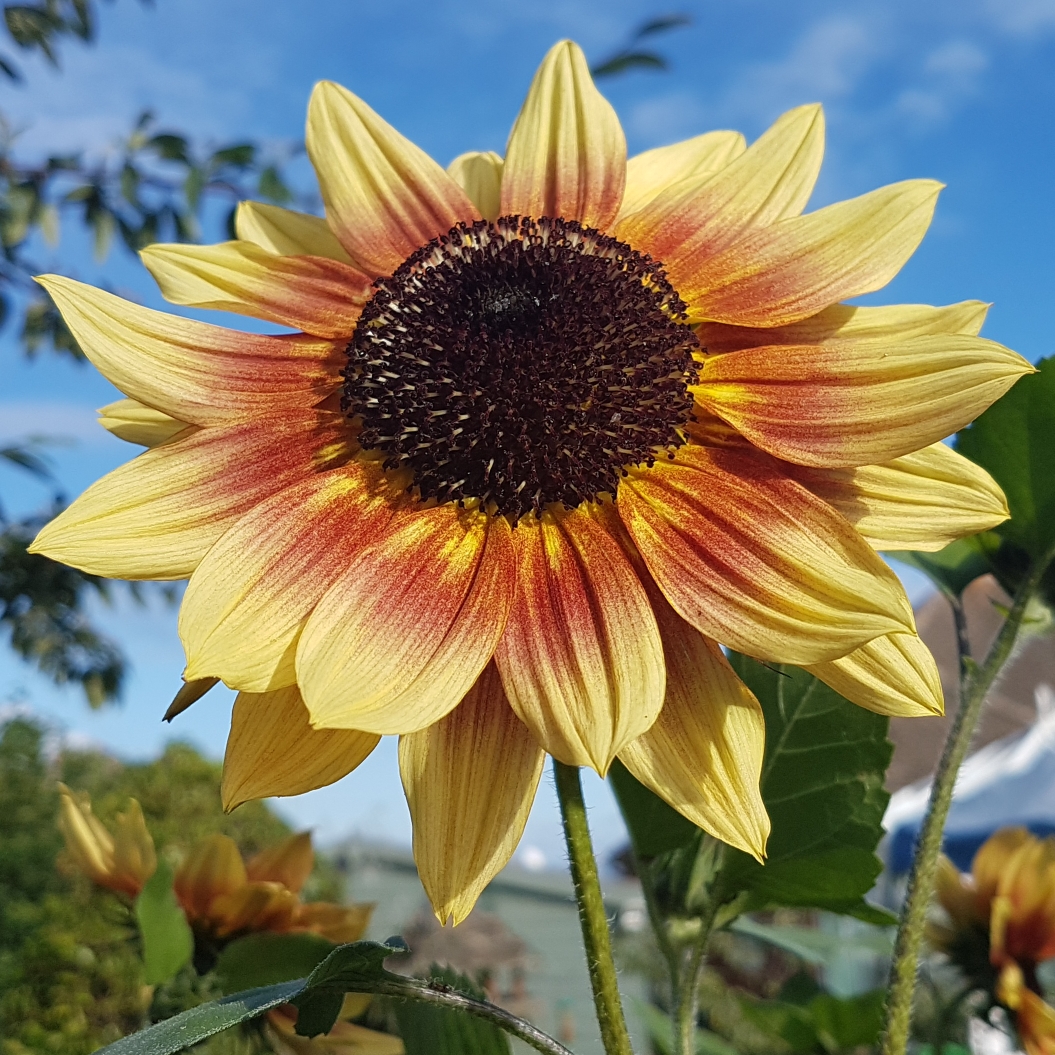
x=689 y=986
x=975 y=683
x=592 y=914
x=659 y=925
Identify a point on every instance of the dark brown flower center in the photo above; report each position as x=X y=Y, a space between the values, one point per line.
x=519 y=363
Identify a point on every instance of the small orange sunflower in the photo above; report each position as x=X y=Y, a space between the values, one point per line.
x=552 y=428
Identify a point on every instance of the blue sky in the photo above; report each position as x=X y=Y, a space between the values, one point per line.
x=958 y=90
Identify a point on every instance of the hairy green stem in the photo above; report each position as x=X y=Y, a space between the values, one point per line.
x=689 y=986
x=975 y=683
x=592 y=914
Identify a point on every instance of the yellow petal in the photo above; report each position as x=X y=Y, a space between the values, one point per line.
x=289 y=862
x=135 y=859
x=922 y=501
x=338 y=923
x=287 y=233
x=201 y=374
x=567 y=153
x=248 y=599
x=704 y=753
x=581 y=658
x=157 y=516
x=273 y=750
x=697 y=218
x=479 y=174
x=652 y=172
x=345 y=1038
x=384 y=196
x=252 y=907
x=89 y=844
x=470 y=780
x=895 y=675
x=798 y=267
x=135 y=422
x=848 y=322
x=310 y=293
x=404 y=633
x=992 y=859
x=213 y=868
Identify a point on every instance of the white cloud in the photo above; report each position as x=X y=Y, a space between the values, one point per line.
x=1021 y=17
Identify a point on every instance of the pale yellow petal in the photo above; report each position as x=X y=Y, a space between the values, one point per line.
x=652 y=172
x=894 y=675
x=704 y=753
x=288 y=862
x=470 y=780
x=567 y=153
x=135 y=422
x=287 y=233
x=135 y=858
x=88 y=842
x=272 y=749
x=922 y=501
x=479 y=174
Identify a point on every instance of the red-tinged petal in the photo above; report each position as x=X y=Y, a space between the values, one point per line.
x=211 y=869
x=157 y=516
x=310 y=293
x=403 y=634
x=470 y=781
x=201 y=374
x=922 y=501
x=248 y=599
x=567 y=153
x=843 y=322
x=704 y=753
x=384 y=196
x=479 y=174
x=288 y=862
x=581 y=658
x=697 y=218
x=651 y=173
x=754 y=560
x=286 y=232
x=273 y=751
x=798 y=267
x=857 y=402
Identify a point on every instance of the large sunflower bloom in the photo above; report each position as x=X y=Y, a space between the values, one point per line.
x=554 y=428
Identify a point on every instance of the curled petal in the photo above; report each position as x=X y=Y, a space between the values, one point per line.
x=652 y=172
x=567 y=153
x=894 y=675
x=248 y=599
x=581 y=658
x=273 y=750
x=704 y=753
x=384 y=196
x=252 y=907
x=479 y=174
x=843 y=322
x=286 y=232
x=697 y=218
x=189 y=693
x=289 y=862
x=402 y=635
x=201 y=374
x=752 y=559
x=213 y=868
x=470 y=780
x=796 y=268
x=338 y=923
x=922 y=501
x=157 y=516
x=857 y=402
x=310 y=293
x=135 y=422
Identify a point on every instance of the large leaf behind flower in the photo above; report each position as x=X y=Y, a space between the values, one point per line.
x=822 y=783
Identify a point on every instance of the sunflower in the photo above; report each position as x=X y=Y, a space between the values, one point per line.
x=551 y=429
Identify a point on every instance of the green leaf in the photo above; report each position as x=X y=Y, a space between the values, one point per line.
x=240 y=155
x=167 y=939
x=816 y=947
x=661 y=1033
x=169 y=147
x=430 y=1030
x=354 y=968
x=199 y=1023
x=266 y=959
x=955 y=567
x=822 y=783
x=273 y=188
x=654 y=827
x=626 y=61
x=846 y=1023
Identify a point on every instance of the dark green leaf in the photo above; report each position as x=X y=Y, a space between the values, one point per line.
x=1015 y=441
x=272 y=187
x=822 y=783
x=430 y=1030
x=953 y=568
x=170 y=147
x=661 y=25
x=241 y=155
x=265 y=959
x=846 y=1023
x=26 y=458
x=654 y=827
x=629 y=60
x=192 y=1027
x=167 y=939
x=10 y=70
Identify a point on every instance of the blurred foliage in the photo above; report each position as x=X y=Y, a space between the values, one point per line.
x=633 y=55
x=153 y=184
x=70 y=977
